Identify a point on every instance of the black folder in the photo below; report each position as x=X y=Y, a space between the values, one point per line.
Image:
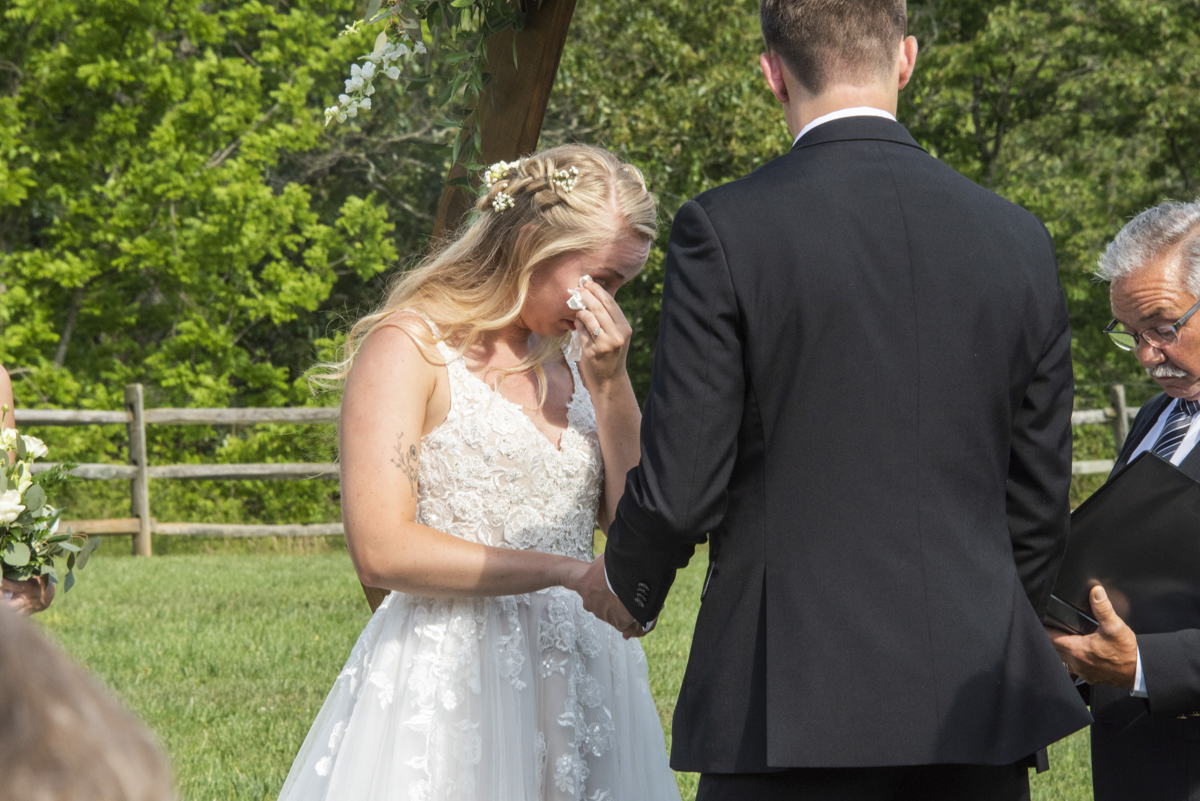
x=1138 y=536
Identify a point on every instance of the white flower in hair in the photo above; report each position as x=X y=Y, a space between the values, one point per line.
x=499 y=171
x=502 y=202
x=565 y=179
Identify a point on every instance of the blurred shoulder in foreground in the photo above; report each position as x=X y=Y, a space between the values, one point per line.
x=63 y=737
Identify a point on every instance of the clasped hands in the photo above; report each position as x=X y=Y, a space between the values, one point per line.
x=592 y=586
x=1108 y=655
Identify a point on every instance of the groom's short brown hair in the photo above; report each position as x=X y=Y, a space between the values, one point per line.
x=853 y=40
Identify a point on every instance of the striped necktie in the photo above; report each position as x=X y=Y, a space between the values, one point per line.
x=1178 y=423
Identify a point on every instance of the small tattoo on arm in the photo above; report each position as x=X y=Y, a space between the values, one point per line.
x=406 y=460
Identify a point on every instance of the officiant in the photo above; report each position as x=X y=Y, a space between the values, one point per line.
x=1145 y=689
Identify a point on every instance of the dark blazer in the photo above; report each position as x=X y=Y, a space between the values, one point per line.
x=862 y=396
x=1149 y=748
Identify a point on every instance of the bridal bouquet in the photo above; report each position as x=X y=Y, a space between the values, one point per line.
x=29 y=540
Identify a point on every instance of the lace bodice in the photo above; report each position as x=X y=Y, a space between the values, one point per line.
x=489 y=475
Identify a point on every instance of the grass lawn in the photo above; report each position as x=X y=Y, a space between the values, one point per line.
x=228 y=656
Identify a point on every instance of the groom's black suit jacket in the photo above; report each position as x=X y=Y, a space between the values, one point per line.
x=861 y=395
x=1149 y=749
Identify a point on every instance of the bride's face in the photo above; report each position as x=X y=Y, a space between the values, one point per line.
x=612 y=266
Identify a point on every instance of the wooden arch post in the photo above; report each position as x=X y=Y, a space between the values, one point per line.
x=510 y=111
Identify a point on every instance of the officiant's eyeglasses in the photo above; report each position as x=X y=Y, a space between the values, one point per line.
x=1162 y=336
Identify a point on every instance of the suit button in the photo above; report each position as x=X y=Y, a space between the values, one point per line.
x=640 y=601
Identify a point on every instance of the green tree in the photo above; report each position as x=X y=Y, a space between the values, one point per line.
x=172 y=210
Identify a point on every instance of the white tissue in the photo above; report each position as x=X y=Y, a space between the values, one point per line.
x=575 y=303
x=574 y=347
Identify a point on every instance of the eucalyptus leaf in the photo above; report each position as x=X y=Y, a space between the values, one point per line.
x=35 y=498
x=3 y=481
x=70 y=546
x=70 y=582
x=372 y=9
x=71 y=562
x=16 y=554
x=21 y=451
x=88 y=547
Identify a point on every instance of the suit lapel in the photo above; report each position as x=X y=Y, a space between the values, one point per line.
x=1145 y=420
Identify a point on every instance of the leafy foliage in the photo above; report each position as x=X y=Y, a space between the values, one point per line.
x=456 y=31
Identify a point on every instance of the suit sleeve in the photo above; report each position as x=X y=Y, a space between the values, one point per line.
x=1171 y=667
x=678 y=491
x=1039 y=469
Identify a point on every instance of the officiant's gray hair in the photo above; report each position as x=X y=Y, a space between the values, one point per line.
x=1168 y=228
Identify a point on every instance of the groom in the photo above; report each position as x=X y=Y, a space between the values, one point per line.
x=861 y=397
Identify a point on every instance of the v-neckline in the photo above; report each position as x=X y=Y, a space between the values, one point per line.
x=520 y=410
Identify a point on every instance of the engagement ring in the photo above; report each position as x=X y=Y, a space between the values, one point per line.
x=596 y=333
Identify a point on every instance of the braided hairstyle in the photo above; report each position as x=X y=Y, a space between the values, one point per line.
x=567 y=199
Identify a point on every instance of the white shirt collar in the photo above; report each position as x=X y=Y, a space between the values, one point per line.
x=857 y=111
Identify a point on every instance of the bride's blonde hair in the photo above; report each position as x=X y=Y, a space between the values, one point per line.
x=537 y=209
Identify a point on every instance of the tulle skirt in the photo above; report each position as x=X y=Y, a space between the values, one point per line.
x=515 y=698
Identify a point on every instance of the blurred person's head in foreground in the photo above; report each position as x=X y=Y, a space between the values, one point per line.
x=62 y=736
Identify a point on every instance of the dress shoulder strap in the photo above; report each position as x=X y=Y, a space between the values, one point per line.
x=443 y=349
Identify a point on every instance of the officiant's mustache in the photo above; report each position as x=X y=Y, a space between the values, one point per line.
x=1165 y=370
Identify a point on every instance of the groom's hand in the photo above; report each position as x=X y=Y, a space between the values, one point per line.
x=603 y=603
x=1107 y=656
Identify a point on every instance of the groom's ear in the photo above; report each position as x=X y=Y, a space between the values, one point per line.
x=773 y=69
x=906 y=58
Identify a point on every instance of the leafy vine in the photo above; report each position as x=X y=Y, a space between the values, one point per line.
x=412 y=28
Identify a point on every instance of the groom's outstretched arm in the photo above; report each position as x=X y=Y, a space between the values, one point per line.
x=677 y=493
x=1039 y=471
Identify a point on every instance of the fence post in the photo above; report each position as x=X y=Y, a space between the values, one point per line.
x=140 y=486
x=1121 y=421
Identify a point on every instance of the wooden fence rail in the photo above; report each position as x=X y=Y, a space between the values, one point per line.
x=138 y=472
x=136 y=417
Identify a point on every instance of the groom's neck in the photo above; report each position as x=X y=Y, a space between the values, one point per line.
x=806 y=107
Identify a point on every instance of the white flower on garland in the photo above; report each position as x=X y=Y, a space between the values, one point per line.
x=360 y=85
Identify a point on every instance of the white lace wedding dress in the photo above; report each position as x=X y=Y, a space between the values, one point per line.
x=515 y=698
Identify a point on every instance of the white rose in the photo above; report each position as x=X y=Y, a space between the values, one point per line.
x=35 y=447
x=10 y=506
x=8 y=439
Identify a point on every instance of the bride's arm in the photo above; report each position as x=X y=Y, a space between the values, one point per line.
x=618 y=418
x=383 y=417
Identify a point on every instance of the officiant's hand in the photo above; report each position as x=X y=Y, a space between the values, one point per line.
x=603 y=603
x=1107 y=656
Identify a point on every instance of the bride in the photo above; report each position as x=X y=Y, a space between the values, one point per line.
x=476 y=462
